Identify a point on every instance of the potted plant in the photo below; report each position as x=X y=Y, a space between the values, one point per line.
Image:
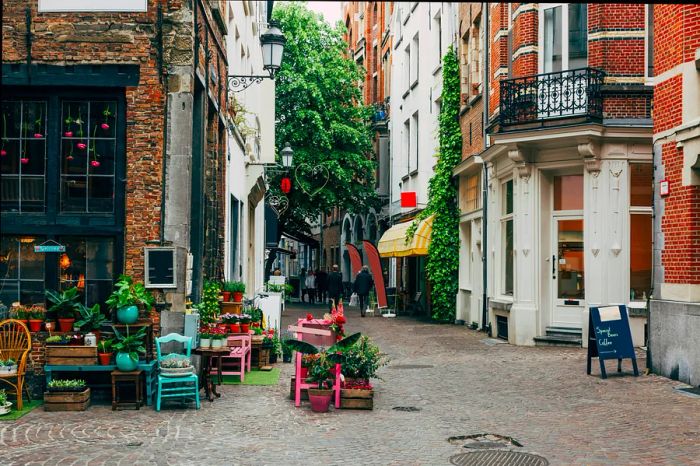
x=273 y=342
x=66 y=385
x=128 y=348
x=217 y=337
x=8 y=366
x=226 y=291
x=36 y=315
x=65 y=305
x=231 y=321
x=20 y=313
x=104 y=351
x=126 y=297
x=91 y=319
x=208 y=308
x=237 y=289
x=204 y=337
x=244 y=320
x=175 y=365
x=5 y=406
x=58 y=340
x=321 y=365
x=286 y=349
x=361 y=361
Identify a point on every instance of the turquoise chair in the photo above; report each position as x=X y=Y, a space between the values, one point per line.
x=186 y=385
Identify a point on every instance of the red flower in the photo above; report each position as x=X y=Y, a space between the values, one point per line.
x=105 y=126
x=68 y=134
x=340 y=320
x=309 y=316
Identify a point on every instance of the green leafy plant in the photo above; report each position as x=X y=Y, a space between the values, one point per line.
x=130 y=344
x=105 y=346
x=65 y=303
x=363 y=359
x=91 y=318
x=7 y=362
x=3 y=398
x=175 y=361
x=66 y=384
x=36 y=312
x=58 y=340
x=128 y=293
x=286 y=349
x=208 y=307
x=321 y=362
x=442 y=266
x=234 y=287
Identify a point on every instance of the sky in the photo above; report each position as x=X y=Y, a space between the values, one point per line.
x=330 y=10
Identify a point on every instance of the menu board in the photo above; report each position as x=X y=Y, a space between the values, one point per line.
x=610 y=337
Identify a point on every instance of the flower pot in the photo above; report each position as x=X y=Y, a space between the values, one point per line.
x=235 y=328
x=273 y=358
x=286 y=357
x=218 y=343
x=245 y=328
x=223 y=327
x=304 y=372
x=205 y=342
x=65 y=325
x=128 y=314
x=125 y=363
x=237 y=297
x=8 y=370
x=35 y=325
x=320 y=399
x=227 y=296
x=6 y=408
x=105 y=358
x=175 y=371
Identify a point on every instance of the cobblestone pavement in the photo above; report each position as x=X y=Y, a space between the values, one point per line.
x=541 y=397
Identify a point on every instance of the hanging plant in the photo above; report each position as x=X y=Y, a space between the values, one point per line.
x=3 y=152
x=93 y=150
x=24 y=158
x=106 y=113
x=78 y=121
x=68 y=121
x=37 y=125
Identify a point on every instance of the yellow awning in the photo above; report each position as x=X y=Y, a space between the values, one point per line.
x=393 y=241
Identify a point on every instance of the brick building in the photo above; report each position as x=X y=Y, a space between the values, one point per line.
x=113 y=141
x=674 y=323
x=567 y=92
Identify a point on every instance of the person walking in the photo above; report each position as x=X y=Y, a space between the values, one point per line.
x=302 y=283
x=335 y=285
x=310 y=285
x=321 y=285
x=363 y=285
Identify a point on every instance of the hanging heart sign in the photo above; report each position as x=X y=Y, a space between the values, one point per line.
x=279 y=204
x=306 y=175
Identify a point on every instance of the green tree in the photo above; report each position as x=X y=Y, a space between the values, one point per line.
x=320 y=113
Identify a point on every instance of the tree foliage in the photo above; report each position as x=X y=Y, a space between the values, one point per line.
x=319 y=112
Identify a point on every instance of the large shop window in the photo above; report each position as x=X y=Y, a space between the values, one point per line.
x=21 y=270
x=508 y=239
x=641 y=230
x=87 y=264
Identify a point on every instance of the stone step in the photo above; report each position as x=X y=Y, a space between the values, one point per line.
x=564 y=331
x=558 y=340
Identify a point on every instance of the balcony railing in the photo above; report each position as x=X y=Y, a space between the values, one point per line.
x=549 y=96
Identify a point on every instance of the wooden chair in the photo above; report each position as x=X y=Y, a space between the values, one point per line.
x=186 y=385
x=236 y=361
x=313 y=336
x=15 y=344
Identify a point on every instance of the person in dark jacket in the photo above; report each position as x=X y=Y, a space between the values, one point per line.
x=321 y=285
x=335 y=285
x=363 y=285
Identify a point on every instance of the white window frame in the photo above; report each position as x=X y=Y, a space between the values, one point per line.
x=407 y=68
x=503 y=220
x=414 y=60
x=415 y=122
x=407 y=143
x=564 y=35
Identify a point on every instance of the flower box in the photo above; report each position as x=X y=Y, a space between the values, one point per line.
x=356 y=399
x=71 y=355
x=67 y=401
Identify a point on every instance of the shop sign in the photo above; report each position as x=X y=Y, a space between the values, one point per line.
x=50 y=246
x=610 y=337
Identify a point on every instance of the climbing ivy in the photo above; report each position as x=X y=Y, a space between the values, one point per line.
x=443 y=259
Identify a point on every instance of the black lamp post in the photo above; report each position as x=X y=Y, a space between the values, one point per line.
x=272 y=42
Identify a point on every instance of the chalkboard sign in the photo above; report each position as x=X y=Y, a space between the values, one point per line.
x=160 y=268
x=609 y=337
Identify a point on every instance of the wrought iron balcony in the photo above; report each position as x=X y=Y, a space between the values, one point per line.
x=550 y=96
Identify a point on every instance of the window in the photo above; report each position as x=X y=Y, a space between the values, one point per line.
x=414 y=143
x=387 y=14
x=23 y=156
x=578 y=35
x=552 y=40
x=414 y=60
x=568 y=192
x=21 y=270
x=407 y=68
x=472 y=197
x=508 y=237
x=407 y=144
x=386 y=75
x=438 y=32
x=564 y=32
x=641 y=230
x=89 y=265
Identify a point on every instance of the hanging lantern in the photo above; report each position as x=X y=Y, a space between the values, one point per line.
x=64 y=262
x=286 y=185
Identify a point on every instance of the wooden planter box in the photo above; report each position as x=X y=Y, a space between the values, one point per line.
x=71 y=355
x=304 y=392
x=67 y=401
x=229 y=307
x=356 y=399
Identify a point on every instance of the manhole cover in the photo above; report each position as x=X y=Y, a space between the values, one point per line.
x=411 y=366
x=498 y=458
x=410 y=409
x=484 y=441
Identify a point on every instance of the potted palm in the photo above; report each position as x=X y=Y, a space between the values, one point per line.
x=126 y=297
x=104 y=351
x=36 y=315
x=237 y=289
x=91 y=319
x=65 y=305
x=128 y=348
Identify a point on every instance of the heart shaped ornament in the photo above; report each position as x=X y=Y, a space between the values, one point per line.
x=305 y=174
x=278 y=204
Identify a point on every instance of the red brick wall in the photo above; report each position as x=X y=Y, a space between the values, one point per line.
x=525 y=30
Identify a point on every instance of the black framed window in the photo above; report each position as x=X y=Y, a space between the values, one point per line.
x=23 y=156
x=87 y=264
x=22 y=271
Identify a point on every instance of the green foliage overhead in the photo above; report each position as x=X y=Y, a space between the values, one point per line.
x=318 y=105
x=443 y=259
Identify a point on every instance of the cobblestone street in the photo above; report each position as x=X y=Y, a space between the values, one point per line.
x=540 y=397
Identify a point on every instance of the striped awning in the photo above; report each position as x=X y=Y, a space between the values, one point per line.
x=393 y=241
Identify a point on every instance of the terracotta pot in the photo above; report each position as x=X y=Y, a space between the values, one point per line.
x=235 y=328
x=237 y=297
x=35 y=325
x=223 y=327
x=304 y=372
x=227 y=296
x=320 y=399
x=245 y=328
x=65 y=325
x=105 y=358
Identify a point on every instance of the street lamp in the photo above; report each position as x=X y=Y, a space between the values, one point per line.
x=287 y=155
x=272 y=43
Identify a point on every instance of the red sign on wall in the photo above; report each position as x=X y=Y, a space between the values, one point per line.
x=408 y=199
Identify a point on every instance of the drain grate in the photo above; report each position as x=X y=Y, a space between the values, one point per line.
x=498 y=457
x=410 y=366
x=409 y=409
x=484 y=441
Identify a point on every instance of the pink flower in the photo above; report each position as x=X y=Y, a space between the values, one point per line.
x=70 y=157
x=3 y=152
x=38 y=135
x=24 y=160
x=95 y=163
x=105 y=126
x=81 y=146
x=68 y=134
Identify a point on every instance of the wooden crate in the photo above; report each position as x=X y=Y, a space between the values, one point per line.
x=229 y=307
x=304 y=392
x=356 y=399
x=71 y=355
x=67 y=401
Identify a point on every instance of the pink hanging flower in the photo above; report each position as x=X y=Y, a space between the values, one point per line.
x=38 y=135
x=3 y=153
x=95 y=163
x=81 y=146
x=24 y=160
x=70 y=157
x=105 y=126
x=68 y=134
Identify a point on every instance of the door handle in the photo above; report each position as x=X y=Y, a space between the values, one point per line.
x=554 y=265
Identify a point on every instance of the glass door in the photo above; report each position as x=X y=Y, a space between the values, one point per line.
x=568 y=272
